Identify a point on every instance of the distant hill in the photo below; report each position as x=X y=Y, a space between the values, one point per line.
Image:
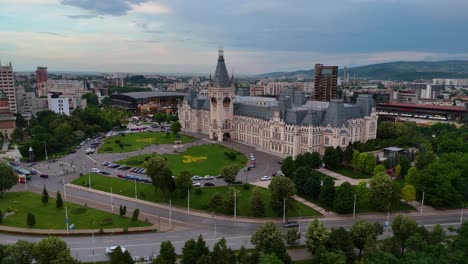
x=399 y=71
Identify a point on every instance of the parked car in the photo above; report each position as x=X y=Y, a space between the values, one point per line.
x=111 y=250
x=279 y=173
x=31 y=164
x=208 y=177
x=196 y=178
x=138 y=179
x=219 y=176
x=265 y=178
x=208 y=184
x=196 y=184
x=291 y=224
x=33 y=172
x=251 y=155
x=148 y=180
x=129 y=177
x=43 y=175
x=237 y=182
x=253 y=159
x=121 y=175
x=96 y=170
x=105 y=172
x=105 y=163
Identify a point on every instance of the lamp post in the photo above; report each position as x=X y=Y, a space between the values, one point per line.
x=354 y=207
x=422 y=204
x=45 y=148
x=461 y=214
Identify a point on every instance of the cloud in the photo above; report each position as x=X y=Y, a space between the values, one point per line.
x=104 y=7
x=52 y=34
x=81 y=16
x=150 y=8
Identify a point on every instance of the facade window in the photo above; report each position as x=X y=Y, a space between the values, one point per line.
x=327 y=141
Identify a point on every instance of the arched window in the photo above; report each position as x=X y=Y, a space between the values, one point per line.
x=226 y=102
x=343 y=142
x=214 y=102
x=327 y=141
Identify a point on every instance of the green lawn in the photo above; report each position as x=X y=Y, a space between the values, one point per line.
x=197 y=201
x=137 y=141
x=351 y=173
x=49 y=217
x=201 y=160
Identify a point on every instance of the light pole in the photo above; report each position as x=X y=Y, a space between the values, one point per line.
x=136 y=196
x=170 y=212
x=112 y=201
x=66 y=218
x=422 y=204
x=284 y=210
x=188 y=201
x=235 y=205
x=64 y=190
x=89 y=179
x=461 y=214
x=45 y=148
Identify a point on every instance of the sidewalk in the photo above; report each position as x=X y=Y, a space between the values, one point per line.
x=340 y=179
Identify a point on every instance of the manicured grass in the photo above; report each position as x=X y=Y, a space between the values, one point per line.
x=197 y=201
x=49 y=217
x=351 y=173
x=200 y=160
x=137 y=141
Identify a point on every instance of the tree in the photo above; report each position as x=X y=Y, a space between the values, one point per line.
x=268 y=239
x=408 y=193
x=331 y=158
x=437 y=235
x=363 y=233
x=313 y=184
x=222 y=254
x=327 y=192
x=175 y=127
x=204 y=259
x=91 y=99
x=397 y=170
x=124 y=210
x=183 y=183
x=52 y=250
x=159 y=117
x=362 y=194
x=336 y=257
x=189 y=255
x=59 y=201
x=121 y=213
x=382 y=192
x=281 y=188
x=8 y=179
x=216 y=201
x=348 y=154
x=135 y=214
x=315 y=161
x=379 y=169
x=270 y=259
x=411 y=176
x=1 y=216
x=403 y=227
x=288 y=167
x=200 y=247
x=20 y=253
x=229 y=173
x=45 y=195
x=340 y=240
x=119 y=257
x=31 y=220
x=159 y=172
x=17 y=135
x=316 y=236
x=167 y=254
x=291 y=236
x=344 y=198
x=300 y=178
x=228 y=200
x=405 y=165
x=256 y=202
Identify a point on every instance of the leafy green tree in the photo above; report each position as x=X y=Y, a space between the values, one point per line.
x=382 y=192
x=411 y=176
x=316 y=160
x=175 y=127
x=379 y=169
x=204 y=259
x=229 y=173
x=159 y=172
x=403 y=227
x=59 y=201
x=119 y=257
x=331 y=157
x=316 y=236
x=216 y=201
x=405 y=165
x=228 y=200
x=189 y=254
x=313 y=184
x=363 y=233
x=300 y=178
x=362 y=194
x=281 y=188
x=348 y=154
x=288 y=167
x=167 y=254
x=45 y=195
x=268 y=239
x=135 y=214
x=270 y=259
x=7 y=180
x=340 y=240
x=183 y=184
x=19 y=253
x=344 y=198
x=424 y=157
x=256 y=202
x=397 y=170
x=52 y=250
x=17 y=135
x=380 y=257
x=31 y=220
x=408 y=193
x=91 y=99
x=159 y=117
x=370 y=162
x=243 y=256
x=335 y=257
x=200 y=247
x=437 y=235
x=327 y=192
x=292 y=236
x=222 y=254
x=121 y=213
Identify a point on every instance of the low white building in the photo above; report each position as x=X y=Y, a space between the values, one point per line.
x=58 y=104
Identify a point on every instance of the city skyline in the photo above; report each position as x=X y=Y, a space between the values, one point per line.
x=258 y=36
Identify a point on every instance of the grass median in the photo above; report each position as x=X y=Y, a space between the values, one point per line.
x=199 y=200
x=15 y=207
x=200 y=160
x=136 y=141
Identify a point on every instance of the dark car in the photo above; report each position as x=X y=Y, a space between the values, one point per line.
x=208 y=184
x=33 y=172
x=43 y=175
x=105 y=172
x=237 y=182
x=291 y=224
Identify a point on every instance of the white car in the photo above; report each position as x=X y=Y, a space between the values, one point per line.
x=96 y=170
x=279 y=173
x=265 y=178
x=208 y=177
x=196 y=178
x=196 y=184
x=111 y=250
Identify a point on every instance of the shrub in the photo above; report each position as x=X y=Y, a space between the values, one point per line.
x=230 y=155
x=79 y=210
x=117 y=141
x=246 y=186
x=135 y=214
x=106 y=222
x=198 y=191
x=31 y=220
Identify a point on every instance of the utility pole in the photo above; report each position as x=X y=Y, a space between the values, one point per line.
x=284 y=210
x=170 y=212
x=354 y=207
x=112 y=201
x=136 y=196
x=66 y=218
x=64 y=190
x=188 y=201
x=422 y=204
x=387 y=223
x=89 y=179
x=45 y=148
x=235 y=205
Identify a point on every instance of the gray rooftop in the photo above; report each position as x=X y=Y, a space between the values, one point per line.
x=142 y=95
x=221 y=77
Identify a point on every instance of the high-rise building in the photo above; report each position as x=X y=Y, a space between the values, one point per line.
x=7 y=120
x=326 y=78
x=7 y=85
x=41 y=80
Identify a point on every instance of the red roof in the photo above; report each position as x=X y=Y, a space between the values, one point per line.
x=427 y=106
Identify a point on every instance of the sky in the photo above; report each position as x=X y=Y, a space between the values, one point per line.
x=257 y=36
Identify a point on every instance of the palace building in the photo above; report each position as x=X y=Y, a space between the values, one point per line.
x=285 y=126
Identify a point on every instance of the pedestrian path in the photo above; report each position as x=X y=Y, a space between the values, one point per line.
x=340 y=179
x=5 y=145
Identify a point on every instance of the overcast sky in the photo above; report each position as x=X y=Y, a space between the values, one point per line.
x=257 y=35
